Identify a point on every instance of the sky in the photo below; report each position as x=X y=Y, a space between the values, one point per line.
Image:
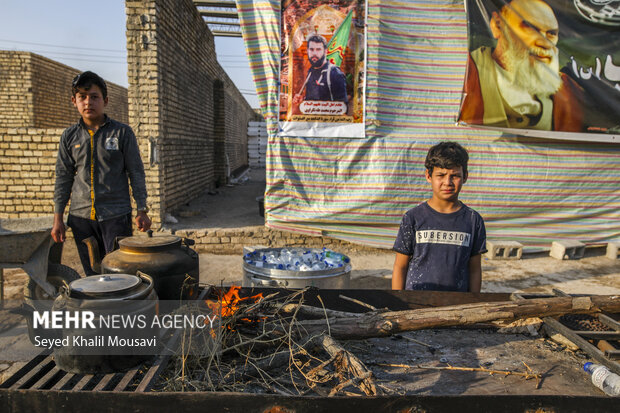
x=90 y=35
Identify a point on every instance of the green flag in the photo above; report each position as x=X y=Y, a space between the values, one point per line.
x=338 y=43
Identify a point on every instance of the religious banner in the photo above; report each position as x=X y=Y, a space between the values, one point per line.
x=322 y=68
x=544 y=68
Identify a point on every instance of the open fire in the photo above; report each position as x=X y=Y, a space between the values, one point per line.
x=228 y=303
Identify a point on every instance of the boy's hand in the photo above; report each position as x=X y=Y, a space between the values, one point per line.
x=143 y=222
x=399 y=272
x=475 y=273
x=58 y=229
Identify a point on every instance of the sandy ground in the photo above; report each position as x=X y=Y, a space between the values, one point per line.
x=534 y=273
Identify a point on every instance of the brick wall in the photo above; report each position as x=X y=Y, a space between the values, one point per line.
x=35 y=107
x=27 y=160
x=16 y=105
x=232 y=240
x=190 y=117
x=35 y=92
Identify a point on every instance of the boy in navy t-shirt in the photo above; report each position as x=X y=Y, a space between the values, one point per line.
x=440 y=242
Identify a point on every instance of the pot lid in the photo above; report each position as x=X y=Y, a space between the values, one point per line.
x=105 y=284
x=149 y=242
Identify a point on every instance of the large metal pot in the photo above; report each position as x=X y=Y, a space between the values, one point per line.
x=108 y=297
x=168 y=259
x=330 y=278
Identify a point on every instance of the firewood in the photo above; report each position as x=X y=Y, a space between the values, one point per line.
x=527 y=375
x=354 y=365
x=350 y=382
x=307 y=311
x=358 y=302
x=381 y=324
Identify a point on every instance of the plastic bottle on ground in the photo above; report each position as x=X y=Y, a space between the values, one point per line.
x=603 y=378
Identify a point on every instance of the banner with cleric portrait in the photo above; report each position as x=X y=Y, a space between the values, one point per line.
x=322 y=68
x=544 y=68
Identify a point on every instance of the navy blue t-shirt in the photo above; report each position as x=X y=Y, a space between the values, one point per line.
x=440 y=246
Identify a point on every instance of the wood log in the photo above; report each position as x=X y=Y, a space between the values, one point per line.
x=309 y=311
x=382 y=324
x=352 y=363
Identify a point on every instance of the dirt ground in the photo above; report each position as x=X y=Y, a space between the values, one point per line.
x=419 y=362
x=535 y=273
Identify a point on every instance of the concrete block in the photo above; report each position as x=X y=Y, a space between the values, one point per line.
x=567 y=250
x=504 y=250
x=613 y=248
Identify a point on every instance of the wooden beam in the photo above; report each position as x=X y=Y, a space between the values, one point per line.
x=223 y=23
x=215 y=3
x=226 y=34
x=219 y=14
x=609 y=322
x=587 y=347
x=599 y=335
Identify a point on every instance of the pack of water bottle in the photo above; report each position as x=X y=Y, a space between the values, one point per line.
x=296 y=259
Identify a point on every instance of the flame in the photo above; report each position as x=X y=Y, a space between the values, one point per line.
x=228 y=304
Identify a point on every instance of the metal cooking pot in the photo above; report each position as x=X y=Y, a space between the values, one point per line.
x=106 y=296
x=168 y=259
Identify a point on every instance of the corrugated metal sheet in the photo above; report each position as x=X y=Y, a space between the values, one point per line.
x=527 y=189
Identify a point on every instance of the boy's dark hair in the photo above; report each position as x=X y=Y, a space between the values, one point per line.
x=447 y=155
x=86 y=80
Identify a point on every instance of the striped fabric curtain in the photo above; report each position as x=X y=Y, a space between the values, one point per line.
x=527 y=189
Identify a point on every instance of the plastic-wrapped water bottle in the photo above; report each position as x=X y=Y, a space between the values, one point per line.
x=270 y=257
x=603 y=378
x=335 y=256
x=318 y=266
x=285 y=257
